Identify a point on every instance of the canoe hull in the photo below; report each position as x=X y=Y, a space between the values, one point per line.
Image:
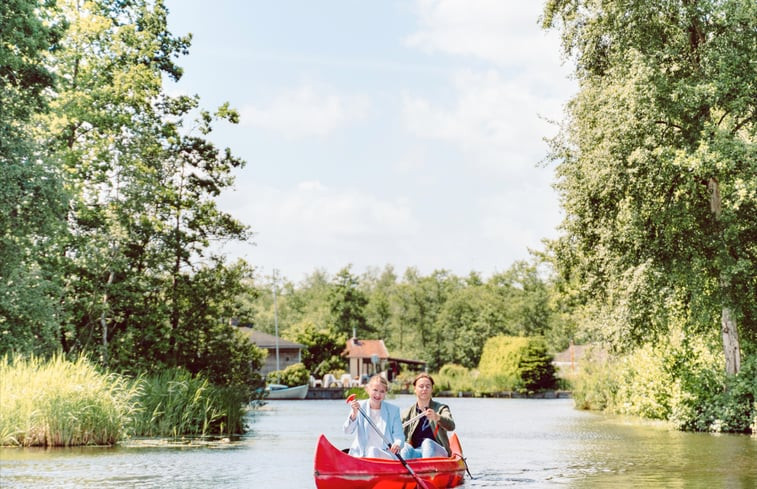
x=335 y=469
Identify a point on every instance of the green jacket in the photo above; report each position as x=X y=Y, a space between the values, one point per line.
x=445 y=424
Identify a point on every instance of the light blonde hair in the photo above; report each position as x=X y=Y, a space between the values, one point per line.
x=378 y=378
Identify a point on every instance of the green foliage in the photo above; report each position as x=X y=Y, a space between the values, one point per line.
x=517 y=363
x=292 y=376
x=677 y=379
x=717 y=404
x=57 y=402
x=535 y=368
x=657 y=168
x=176 y=403
x=32 y=201
x=452 y=377
x=347 y=304
x=323 y=348
x=116 y=266
x=60 y=403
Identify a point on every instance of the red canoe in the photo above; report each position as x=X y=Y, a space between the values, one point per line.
x=334 y=469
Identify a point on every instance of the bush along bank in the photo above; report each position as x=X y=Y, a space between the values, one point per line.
x=679 y=380
x=56 y=402
x=510 y=366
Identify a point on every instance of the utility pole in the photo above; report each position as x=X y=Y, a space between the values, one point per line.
x=276 y=320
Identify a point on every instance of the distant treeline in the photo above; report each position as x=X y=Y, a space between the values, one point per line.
x=439 y=318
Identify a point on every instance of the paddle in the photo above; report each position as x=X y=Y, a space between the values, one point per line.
x=421 y=483
x=410 y=421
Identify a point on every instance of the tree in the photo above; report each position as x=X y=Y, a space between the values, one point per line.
x=468 y=318
x=379 y=291
x=422 y=301
x=347 y=303
x=143 y=179
x=323 y=348
x=32 y=202
x=657 y=167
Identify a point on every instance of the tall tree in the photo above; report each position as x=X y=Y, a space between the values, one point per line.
x=143 y=178
x=657 y=165
x=347 y=303
x=32 y=203
x=379 y=291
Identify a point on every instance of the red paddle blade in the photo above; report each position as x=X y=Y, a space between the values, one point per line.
x=351 y=398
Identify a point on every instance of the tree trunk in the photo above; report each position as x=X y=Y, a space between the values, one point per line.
x=728 y=327
x=104 y=319
x=730 y=342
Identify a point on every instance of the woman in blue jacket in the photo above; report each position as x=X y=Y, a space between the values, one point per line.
x=386 y=416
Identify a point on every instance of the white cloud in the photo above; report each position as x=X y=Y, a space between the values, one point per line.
x=497 y=117
x=495 y=121
x=520 y=217
x=310 y=226
x=306 y=111
x=503 y=32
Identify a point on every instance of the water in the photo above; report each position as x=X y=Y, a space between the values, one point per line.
x=508 y=442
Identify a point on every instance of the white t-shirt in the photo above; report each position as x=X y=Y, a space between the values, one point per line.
x=374 y=439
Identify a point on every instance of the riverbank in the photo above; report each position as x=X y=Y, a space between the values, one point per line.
x=323 y=393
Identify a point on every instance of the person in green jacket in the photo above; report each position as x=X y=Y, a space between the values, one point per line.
x=426 y=423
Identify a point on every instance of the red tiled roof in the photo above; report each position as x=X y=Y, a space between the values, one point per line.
x=365 y=349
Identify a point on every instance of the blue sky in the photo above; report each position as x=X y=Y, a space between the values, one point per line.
x=403 y=133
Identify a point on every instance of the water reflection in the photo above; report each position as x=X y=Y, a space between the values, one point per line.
x=508 y=442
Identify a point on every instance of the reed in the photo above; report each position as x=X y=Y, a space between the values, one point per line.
x=175 y=403
x=56 y=402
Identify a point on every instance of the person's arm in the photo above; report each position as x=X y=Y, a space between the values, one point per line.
x=350 y=424
x=397 y=434
x=406 y=415
x=445 y=418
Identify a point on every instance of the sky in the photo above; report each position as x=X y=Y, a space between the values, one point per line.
x=405 y=133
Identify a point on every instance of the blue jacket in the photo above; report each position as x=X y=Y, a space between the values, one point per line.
x=391 y=416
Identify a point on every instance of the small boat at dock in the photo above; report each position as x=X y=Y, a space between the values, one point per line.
x=280 y=391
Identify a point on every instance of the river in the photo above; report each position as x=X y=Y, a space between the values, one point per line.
x=508 y=443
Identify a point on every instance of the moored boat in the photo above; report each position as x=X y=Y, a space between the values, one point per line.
x=335 y=469
x=280 y=391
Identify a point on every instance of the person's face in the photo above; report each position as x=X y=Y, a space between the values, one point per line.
x=423 y=389
x=376 y=391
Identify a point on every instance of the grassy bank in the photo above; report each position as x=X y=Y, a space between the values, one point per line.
x=56 y=402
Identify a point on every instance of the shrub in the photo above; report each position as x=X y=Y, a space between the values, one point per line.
x=718 y=403
x=517 y=363
x=453 y=377
x=679 y=379
x=294 y=375
x=535 y=367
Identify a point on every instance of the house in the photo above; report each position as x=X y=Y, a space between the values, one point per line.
x=369 y=357
x=289 y=352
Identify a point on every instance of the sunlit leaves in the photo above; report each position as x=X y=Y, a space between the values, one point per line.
x=656 y=163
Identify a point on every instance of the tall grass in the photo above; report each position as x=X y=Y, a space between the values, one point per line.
x=56 y=402
x=176 y=403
